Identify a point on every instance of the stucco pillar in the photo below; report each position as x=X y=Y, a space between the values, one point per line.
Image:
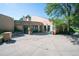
x=51 y=28
x=38 y=28
x=30 y=30
x=42 y=29
x=46 y=28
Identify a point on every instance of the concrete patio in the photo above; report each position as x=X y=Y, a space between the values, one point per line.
x=40 y=45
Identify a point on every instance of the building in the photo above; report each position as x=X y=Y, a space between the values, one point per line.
x=36 y=24
x=27 y=24
x=6 y=23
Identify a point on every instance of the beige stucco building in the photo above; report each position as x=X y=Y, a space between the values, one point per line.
x=37 y=24
x=47 y=25
x=6 y=23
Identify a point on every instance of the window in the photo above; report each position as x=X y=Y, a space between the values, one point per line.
x=44 y=28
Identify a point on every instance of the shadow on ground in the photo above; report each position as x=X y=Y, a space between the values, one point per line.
x=1 y=43
x=40 y=33
x=18 y=34
x=75 y=39
x=8 y=42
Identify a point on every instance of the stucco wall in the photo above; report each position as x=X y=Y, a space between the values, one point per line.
x=19 y=27
x=6 y=23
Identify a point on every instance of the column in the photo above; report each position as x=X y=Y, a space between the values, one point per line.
x=51 y=28
x=46 y=28
x=42 y=28
x=38 y=28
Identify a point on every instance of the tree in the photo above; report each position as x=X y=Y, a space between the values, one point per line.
x=60 y=10
x=29 y=26
x=29 y=17
x=76 y=16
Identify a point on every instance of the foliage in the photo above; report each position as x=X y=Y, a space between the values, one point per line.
x=21 y=19
x=58 y=22
x=61 y=26
x=57 y=10
x=69 y=11
x=76 y=16
x=28 y=16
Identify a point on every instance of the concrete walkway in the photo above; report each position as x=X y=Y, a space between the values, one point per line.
x=40 y=45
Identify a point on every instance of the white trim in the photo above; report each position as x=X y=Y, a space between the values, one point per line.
x=51 y=28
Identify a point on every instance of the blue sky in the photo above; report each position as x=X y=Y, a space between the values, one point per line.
x=17 y=10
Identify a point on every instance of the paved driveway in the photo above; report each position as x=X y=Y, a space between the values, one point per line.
x=40 y=45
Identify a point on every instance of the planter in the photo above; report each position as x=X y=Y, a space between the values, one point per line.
x=7 y=36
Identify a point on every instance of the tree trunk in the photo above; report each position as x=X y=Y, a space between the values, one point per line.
x=68 y=26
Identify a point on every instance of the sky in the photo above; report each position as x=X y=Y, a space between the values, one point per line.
x=18 y=10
